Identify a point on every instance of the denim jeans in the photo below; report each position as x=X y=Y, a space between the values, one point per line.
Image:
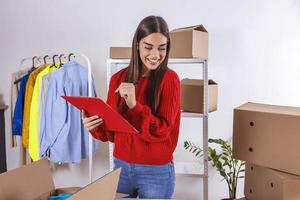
x=146 y=181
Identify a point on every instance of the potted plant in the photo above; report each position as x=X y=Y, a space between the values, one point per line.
x=228 y=167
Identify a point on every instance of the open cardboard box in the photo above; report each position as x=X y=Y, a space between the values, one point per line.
x=189 y=42
x=34 y=182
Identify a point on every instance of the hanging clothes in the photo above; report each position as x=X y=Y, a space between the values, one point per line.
x=63 y=138
x=33 y=144
x=28 y=96
x=15 y=88
x=42 y=94
x=19 y=107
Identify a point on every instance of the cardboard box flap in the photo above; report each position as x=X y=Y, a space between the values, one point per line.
x=199 y=27
x=197 y=82
x=265 y=108
x=103 y=188
x=27 y=182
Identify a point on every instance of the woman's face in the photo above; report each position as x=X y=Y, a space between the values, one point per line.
x=153 y=50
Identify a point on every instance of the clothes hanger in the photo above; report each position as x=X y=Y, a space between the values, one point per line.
x=31 y=70
x=69 y=56
x=45 y=57
x=33 y=60
x=53 y=60
x=60 y=60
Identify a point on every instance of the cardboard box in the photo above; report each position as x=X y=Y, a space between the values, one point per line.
x=192 y=93
x=186 y=42
x=34 y=182
x=268 y=136
x=263 y=183
x=189 y=42
x=120 y=52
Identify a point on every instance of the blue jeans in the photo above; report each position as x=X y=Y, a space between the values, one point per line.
x=146 y=181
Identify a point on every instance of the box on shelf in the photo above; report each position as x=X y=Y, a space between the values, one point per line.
x=120 y=52
x=189 y=42
x=34 y=182
x=192 y=93
x=186 y=42
x=263 y=183
x=267 y=135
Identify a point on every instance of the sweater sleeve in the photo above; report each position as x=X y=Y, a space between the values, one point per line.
x=100 y=133
x=157 y=128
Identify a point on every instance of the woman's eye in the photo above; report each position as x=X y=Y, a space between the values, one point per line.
x=148 y=48
x=162 y=49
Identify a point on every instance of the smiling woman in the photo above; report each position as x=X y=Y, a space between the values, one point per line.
x=152 y=51
x=147 y=94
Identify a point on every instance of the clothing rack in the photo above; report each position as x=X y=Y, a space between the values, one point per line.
x=88 y=65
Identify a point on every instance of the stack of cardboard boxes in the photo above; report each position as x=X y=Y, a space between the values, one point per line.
x=267 y=137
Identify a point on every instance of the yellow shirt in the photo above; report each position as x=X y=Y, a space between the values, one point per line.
x=27 y=103
x=33 y=145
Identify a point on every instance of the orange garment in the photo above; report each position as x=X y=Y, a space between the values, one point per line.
x=27 y=104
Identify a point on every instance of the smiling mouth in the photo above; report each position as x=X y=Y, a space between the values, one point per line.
x=153 y=62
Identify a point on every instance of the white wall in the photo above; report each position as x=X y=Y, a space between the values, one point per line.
x=254 y=49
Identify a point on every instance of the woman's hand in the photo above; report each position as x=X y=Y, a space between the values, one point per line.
x=127 y=91
x=91 y=122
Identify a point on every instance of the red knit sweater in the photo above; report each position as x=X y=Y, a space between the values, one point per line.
x=158 y=135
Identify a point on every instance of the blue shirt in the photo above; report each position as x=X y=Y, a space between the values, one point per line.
x=63 y=138
x=17 y=123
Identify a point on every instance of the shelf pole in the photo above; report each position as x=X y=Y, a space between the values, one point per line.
x=205 y=130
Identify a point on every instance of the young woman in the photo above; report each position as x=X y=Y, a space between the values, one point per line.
x=147 y=94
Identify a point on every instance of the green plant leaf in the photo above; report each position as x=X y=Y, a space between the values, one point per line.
x=223 y=174
x=221 y=158
x=198 y=153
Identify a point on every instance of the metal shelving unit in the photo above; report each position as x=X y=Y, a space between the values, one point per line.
x=181 y=168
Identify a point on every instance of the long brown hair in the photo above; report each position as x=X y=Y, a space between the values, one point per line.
x=149 y=25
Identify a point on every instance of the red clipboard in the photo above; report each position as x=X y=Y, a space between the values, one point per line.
x=112 y=120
